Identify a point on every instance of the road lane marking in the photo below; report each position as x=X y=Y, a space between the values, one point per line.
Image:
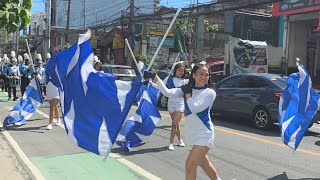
x=129 y=164
x=259 y=139
x=265 y=141
x=35 y=172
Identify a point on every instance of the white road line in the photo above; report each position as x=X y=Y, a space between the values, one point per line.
x=35 y=172
x=129 y=164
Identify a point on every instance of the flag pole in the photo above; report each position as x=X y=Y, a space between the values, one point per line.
x=133 y=57
x=30 y=55
x=164 y=38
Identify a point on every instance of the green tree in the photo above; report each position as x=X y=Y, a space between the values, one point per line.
x=14 y=14
x=186 y=24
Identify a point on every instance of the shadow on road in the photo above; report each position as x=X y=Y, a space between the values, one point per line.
x=167 y=128
x=37 y=119
x=285 y=177
x=317 y=143
x=121 y=151
x=29 y=129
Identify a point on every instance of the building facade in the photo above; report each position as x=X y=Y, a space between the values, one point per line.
x=301 y=35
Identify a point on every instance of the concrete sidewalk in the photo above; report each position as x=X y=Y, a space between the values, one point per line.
x=10 y=167
x=53 y=156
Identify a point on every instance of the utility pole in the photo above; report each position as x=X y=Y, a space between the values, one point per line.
x=131 y=28
x=68 y=21
x=84 y=13
x=48 y=31
x=200 y=35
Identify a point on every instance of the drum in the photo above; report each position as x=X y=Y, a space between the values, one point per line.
x=14 y=81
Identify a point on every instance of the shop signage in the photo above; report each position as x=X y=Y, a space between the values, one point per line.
x=295 y=7
x=117 y=43
x=155 y=41
x=158 y=29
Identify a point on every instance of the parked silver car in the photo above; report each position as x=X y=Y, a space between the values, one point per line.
x=120 y=72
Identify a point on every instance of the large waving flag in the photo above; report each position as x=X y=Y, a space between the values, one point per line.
x=297 y=106
x=94 y=104
x=143 y=122
x=28 y=104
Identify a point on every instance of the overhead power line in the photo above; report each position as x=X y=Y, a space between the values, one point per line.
x=212 y=8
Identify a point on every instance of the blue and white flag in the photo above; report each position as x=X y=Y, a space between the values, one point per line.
x=28 y=104
x=143 y=122
x=297 y=106
x=94 y=104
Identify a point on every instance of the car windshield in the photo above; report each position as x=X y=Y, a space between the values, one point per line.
x=121 y=70
x=216 y=68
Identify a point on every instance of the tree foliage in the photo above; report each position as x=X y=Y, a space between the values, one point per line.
x=187 y=24
x=14 y=14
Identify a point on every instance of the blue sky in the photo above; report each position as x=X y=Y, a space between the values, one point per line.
x=182 y=3
x=39 y=5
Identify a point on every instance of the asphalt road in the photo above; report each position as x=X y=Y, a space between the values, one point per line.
x=241 y=152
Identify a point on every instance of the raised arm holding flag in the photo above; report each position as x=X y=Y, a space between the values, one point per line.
x=297 y=106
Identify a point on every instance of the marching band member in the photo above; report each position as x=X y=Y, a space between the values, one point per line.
x=97 y=65
x=42 y=73
x=20 y=61
x=1 y=73
x=12 y=73
x=26 y=70
x=48 y=57
x=5 y=63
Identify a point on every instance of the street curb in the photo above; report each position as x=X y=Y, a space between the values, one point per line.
x=27 y=165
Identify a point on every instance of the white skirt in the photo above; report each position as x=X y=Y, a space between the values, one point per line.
x=52 y=91
x=175 y=105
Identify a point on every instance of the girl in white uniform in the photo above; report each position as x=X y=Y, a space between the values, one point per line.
x=176 y=104
x=54 y=99
x=199 y=128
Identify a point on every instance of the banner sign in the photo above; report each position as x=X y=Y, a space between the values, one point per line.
x=295 y=7
x=248 y=56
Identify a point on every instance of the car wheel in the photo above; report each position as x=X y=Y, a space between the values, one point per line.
x=261 y=118
x=163 y=101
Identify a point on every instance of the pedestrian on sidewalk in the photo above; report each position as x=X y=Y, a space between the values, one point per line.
x=54 y=99
x=176 y=105
x=199 y=128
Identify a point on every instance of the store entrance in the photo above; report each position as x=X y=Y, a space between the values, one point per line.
x=313 y=61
